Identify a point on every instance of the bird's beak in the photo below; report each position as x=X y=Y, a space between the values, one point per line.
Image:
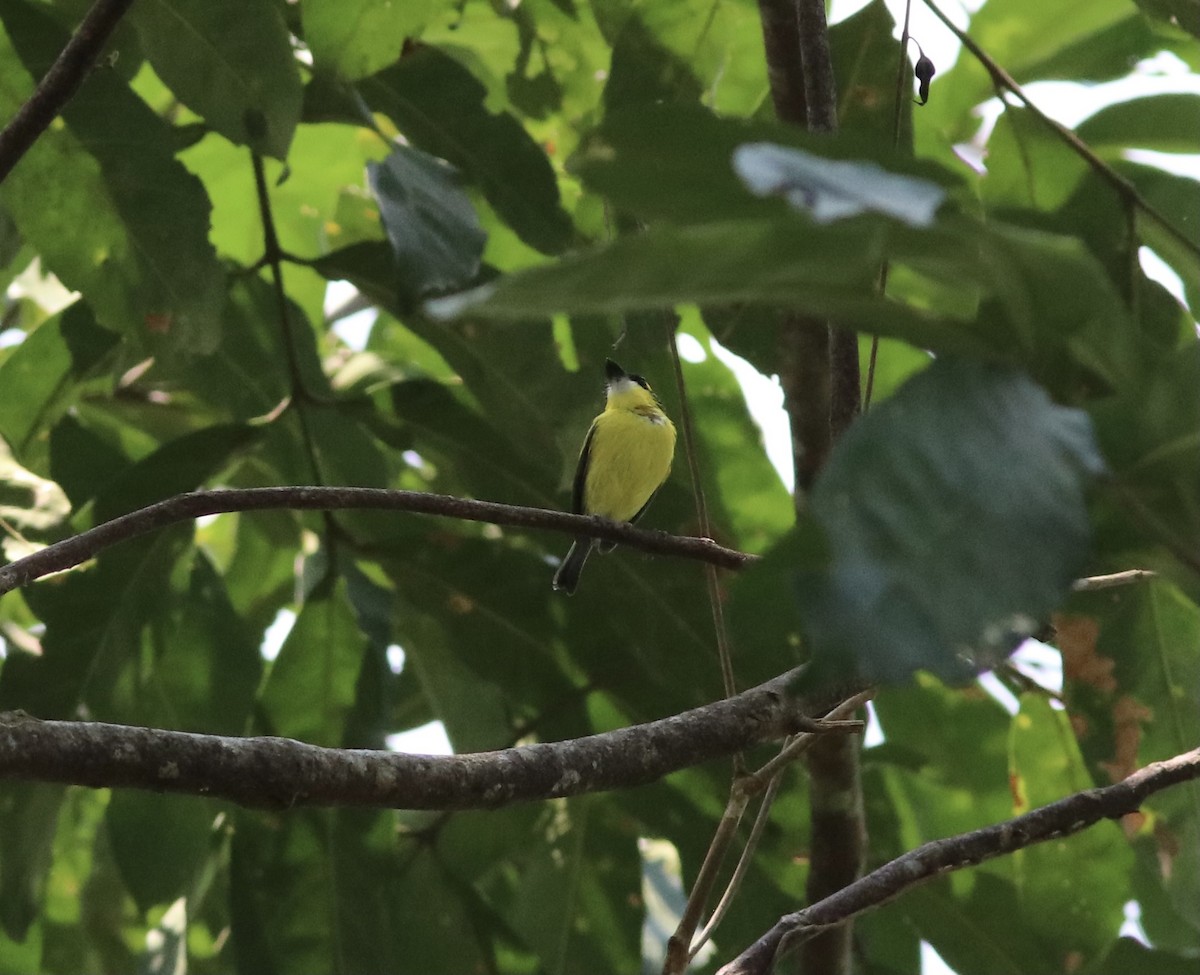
x=612 y=371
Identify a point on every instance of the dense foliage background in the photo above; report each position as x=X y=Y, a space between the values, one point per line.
x=589 y=145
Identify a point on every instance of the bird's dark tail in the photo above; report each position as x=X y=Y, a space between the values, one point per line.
x=567 y=576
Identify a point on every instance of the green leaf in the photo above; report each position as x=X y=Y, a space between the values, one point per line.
x=1166 y=123
x=586 y=859
x=1181 y=12
x=310 y=689
x=49 y=367
x=429 y=221
x=28 y=817
x=863 y=50
x=358 y=38
x=1016 y=34
x=440 y=108
x=1108 y=53
x=784 y=261
x=159 y=843
x=968 y=471
x=118 y=219
x=1129 y=955
x=229 y=61
x=1028 y=164
x=1073 y=890
x=1131 y=686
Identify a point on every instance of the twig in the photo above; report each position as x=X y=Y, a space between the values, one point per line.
x=772 y=774
x=184 y=507
x=280 y=773
x=1113 y=580
x=710 y=570
x=60 y=83
x=1058 y=819
x=745 y=787
x=1125 y=189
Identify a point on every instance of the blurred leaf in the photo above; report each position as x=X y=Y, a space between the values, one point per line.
x=1016 y=34
x=974 y=924
x=48 y=367
x=1131 y=672
x=440 y=108
x=283 y=894
x=588 y=860
x=229 y=61
x=1028 y=165
x=1111 y=52
x=633 y=159
x=1166 y=123
x=430 y=222
x=863 y=50
x=1072 y=890
x=900 y=592
x=1151 y=437
x=118 y=219
x=358 y=38
x=310 y=689
x=159 y=843
x=831 y=191
x=28 y=817
x=1129 y=955
x=1181 y=12
x=28 y=503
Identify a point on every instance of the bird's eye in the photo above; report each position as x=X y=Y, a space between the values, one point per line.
x=641 y=382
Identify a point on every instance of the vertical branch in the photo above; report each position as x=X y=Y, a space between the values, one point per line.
x=820 y=374
x=781 y=33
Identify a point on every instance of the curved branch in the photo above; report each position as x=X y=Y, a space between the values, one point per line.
x=60 y=83
x=1058 y=819
x=1123 y=187
x=281 y=773
x=184 y=507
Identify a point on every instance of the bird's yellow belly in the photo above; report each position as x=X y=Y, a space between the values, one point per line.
x=630 y=458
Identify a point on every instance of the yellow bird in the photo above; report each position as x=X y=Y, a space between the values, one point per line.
x=624 y=461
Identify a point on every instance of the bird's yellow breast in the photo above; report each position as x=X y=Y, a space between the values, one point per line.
x=628 y=459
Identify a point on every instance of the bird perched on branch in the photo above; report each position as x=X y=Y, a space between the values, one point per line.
x=624 y=461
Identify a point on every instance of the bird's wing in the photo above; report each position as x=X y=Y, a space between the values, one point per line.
x=581 y=471
x=642 y=509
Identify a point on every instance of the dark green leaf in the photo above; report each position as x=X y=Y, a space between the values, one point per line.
x=231 y=62
x=159 y=843
x=1072 y=893
x=48 y=368
x=1181 y=12
x=967 y=472
x=430 y=222
x=118 y=219
x=359 y=37
x=440 y=108
x=1167 y=123
x=310 y=690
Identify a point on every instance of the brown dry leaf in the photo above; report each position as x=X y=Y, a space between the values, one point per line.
x=1077 y=641
x=1128 y=714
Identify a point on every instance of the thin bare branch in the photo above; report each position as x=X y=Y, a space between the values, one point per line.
x=280 y=773
x=710 y=571
x=1125 y=189
x=61 y=82
x=1058 y=819
x=772 y=775
x=1112 y=580
x=184 y=507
